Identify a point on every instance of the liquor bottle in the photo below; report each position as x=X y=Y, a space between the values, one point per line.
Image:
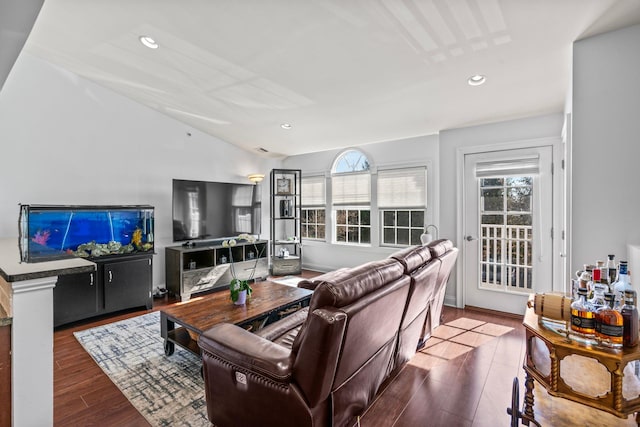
x=619 y=288
x=599 y=289
x=582 y=316
x=630 y=320
x=612 y=271
x=596 y=277
x=623 y=267
x=609 y=323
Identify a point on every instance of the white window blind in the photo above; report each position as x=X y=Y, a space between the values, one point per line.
x=519 y=166
x=351 y=189
x=402 y=188
x=313 y=191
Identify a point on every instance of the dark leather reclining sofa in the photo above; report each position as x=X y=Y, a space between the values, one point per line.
x=323 y=365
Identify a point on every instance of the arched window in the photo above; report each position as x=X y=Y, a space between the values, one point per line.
x=351 y=198
x=351 y=161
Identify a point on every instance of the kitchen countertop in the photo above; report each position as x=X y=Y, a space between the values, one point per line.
x=12 y=270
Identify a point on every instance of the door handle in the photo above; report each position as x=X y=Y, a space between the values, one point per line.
x=91 y=279
x=470 y=238
x=110 y=276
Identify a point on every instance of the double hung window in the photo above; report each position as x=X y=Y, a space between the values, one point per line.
x=402 y=200
x=313 y=207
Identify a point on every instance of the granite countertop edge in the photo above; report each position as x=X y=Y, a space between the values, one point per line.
x=5 y=320
x=47 y=273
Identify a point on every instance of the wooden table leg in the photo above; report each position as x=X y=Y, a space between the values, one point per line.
x=528 y=400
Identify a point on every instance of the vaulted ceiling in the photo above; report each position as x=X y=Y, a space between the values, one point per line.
x=341 y=73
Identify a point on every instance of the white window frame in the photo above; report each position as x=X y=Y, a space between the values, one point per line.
x=401 y=189
x=346 y=197
x=360 y=209
x=314 y=197
x=316 y=224
x=396 y=227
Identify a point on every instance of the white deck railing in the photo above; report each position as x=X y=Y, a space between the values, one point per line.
x=506 y=257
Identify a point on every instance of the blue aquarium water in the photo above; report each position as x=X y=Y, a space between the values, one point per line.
x=55 y=232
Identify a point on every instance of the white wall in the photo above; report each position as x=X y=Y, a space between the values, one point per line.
x=422 y=150
x=495 y=133
x=606 y=146
x=66 y=140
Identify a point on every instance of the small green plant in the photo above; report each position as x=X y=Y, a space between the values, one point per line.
x=238 y=285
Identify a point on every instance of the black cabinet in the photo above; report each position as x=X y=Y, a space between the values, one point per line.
x=117 y=284
x=127 y=284
x=75 y=297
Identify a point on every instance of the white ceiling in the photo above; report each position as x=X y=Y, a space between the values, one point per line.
x=342 y=73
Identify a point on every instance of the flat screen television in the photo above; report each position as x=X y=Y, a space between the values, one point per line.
x=214 y=210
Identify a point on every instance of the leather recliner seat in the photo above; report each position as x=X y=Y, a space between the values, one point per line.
x=323 y=365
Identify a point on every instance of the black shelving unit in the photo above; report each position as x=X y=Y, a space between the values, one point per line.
x=286 y=247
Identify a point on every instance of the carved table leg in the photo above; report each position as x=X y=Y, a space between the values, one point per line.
x=528 y=400
x=638 y=419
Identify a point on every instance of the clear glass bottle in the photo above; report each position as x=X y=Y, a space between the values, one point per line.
x=623 y=284
x=623 y=267
x=599 y=289
x=612 y=270
x=630 y=320
x=609 y=323
x=582 y=316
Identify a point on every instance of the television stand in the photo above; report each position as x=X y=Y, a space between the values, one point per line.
x=206 y=266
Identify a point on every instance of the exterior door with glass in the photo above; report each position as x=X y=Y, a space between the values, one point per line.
x=508 y=217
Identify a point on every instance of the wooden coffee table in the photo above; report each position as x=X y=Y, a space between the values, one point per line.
x=183 y=322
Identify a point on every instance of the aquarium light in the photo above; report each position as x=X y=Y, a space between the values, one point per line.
x=148 y=42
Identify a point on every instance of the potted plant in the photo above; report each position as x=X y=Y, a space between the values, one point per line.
x=240 y=289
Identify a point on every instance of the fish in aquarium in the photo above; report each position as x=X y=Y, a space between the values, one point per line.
x=136 y=239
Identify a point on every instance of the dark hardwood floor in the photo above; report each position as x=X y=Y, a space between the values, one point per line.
x=453 y=387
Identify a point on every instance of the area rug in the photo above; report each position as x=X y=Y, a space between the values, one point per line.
x=167 y=391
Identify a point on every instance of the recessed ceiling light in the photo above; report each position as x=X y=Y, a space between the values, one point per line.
x=286 y=126
x=476 y=80
x=148 y=42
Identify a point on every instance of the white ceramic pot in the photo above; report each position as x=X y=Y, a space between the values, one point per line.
x=242 y=298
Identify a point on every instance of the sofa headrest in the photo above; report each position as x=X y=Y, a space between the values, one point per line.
x=412 y=257
x=440 y=247
x=348 y=285
x=315 y=281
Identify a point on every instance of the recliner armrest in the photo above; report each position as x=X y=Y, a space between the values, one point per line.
x=283 y=326
x=242 y=348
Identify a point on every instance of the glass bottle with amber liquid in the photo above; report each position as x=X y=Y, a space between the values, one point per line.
x=609 y=323
x=583 y=318
x=630 y=319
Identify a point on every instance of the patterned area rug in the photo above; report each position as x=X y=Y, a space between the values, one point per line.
x=167 y=391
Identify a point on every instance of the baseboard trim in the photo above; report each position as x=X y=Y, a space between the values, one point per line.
x=493 y=312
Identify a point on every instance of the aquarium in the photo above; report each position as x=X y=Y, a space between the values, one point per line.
x=56 y=232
